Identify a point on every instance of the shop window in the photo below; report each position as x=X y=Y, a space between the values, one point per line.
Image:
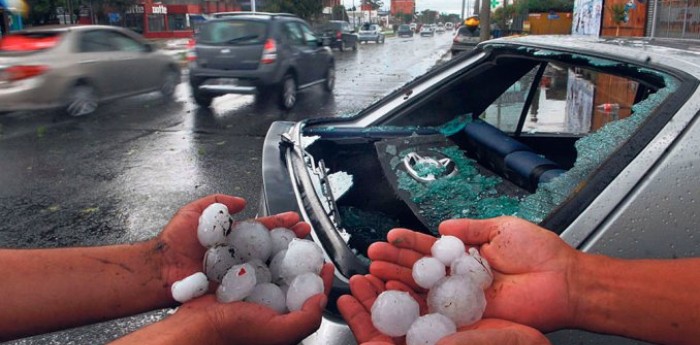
x=177 y=21
x=156 y=22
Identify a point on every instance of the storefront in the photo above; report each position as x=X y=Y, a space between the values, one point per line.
x=158 y=20
x=11 y=12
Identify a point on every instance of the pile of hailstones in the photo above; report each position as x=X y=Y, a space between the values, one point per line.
x=253 y=264
x=454 y=300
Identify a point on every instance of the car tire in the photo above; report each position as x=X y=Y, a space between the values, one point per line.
x=354 y=46
x=201 y=98
x=82 y=100
x=288 y=92
x=342 y=46
x=171 y=79
x=330 y=79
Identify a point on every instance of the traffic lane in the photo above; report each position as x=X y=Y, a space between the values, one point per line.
x=119 y=176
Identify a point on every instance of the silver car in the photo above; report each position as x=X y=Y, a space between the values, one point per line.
x=75 y=68
x=371 y=33
x=594 y=139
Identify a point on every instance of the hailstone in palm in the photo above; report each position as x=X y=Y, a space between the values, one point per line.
x=269 y=295
x=237 y=283
x=218 y=260
x=302 y=287
x=427 y=271
x=447 y=249
x=471 y=266
x=251 y=240
x=458 y=297
x=302 y=256
x=429 y=329
x=281 y=237
x=190 y=287
x=393 y=312
x=214 y=225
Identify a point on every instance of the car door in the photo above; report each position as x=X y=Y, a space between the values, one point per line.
x=302 y=57
x=95 y=55
x=318 y=53
x=136 y=62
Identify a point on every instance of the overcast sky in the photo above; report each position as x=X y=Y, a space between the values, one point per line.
x=447 y=6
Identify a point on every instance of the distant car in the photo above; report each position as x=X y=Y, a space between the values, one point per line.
x=440 y=28
x=449 y=26
x=592 y=138
x=413 y=26
x=465 y=40
x=75 y=68
x=339 y=35
x=404 y=30
x=427 y=31
x=371 y=33
x=258 y=53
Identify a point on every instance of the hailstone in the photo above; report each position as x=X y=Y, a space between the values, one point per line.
x=427 y=271
x=218 y=260
x=429 y=329
x=281 y=237
x=458 y=297
x=470 y=266
x=214 y=225
x=276 y=267
x=393 y=312
x=251 y=240
x=302 y=256
x=447 y=249
x=237 y=284
x=190 y=287
x=269 y=295
x=302 y=287
x=262 y=272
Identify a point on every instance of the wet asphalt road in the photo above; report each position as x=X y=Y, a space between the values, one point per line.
x=120 y=174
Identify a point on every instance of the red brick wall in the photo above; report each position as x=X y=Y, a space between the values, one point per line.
x=402 y=6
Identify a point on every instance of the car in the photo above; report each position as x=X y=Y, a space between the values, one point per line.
x=465 y=39
x=592 y=138
x=440 y=28
x=338 y=34
x=404 y=30
x=449 y=26
x=270 y=55
x=427 y=30
x=371 y=32
x=413 y=26
x=74 y=68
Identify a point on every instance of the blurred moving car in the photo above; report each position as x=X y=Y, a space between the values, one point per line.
x=258 y=53
x=594 y=139
x=404 y=30
x=449 y=26
x=427 y=30
x=466 y=38
x=338 y=34
x=371 y=32
x=74 y=68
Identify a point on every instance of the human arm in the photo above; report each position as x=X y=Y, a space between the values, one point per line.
x=541 y=281
x=53 y=289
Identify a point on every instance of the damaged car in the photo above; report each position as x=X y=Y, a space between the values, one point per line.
x=594 y=139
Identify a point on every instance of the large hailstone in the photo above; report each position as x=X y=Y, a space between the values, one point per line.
x=262 y=272
x=447 y=249
x=281 y=237
x=237 y=284
x=251 y=240
x=469 y=265
x=214 y=225
x=190 y=287
x=393 y=312
x=427 y=271
x=429 y=329
x=218 y=260
x=269 y=295
x=302 y=256
x=302 y=287
x=276 y=267
x=458 y=297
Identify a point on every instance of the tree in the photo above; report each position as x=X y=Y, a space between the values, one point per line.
x=306 y=9
x=619 y=16
x=543 y=6
x=339 y=12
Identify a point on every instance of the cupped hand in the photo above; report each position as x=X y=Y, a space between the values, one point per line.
x=249 y=323
x=532 y=267
x=179 y=248
x=356 y=308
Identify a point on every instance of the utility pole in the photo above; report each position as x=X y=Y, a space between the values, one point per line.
x=463 y=4
x=484 y=18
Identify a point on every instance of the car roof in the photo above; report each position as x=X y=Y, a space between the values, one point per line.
x=680 y=54
x=251 y=15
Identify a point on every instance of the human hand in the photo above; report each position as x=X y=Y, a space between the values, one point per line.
x=181 y=252
x=356 y=310
x=249 y=323
x=532 y=267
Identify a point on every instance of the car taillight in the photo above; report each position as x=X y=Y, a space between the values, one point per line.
x=15 y=73
x=269 y=54
x=191 y=54
x=339 y=35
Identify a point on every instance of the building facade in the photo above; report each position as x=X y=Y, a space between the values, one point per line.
x=403 y=6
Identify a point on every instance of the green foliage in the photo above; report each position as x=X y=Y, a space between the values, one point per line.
x=374 y=4
x=534 y=6
x=403 y=18
x=339 y=12
x=618 y=13
x=307 y=9
x=503 y=14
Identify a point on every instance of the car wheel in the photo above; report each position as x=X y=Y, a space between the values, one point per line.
x=288 y=92
x=342 y=46
x=330 y=79
x=202 y=99
x=354 y=46
x=383 y=38
x=82 y=100
x=170 y=81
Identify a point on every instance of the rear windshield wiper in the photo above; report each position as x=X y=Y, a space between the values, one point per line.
x=242 y=38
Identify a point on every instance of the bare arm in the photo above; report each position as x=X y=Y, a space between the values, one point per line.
x=51 y=289
x=652 y=300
